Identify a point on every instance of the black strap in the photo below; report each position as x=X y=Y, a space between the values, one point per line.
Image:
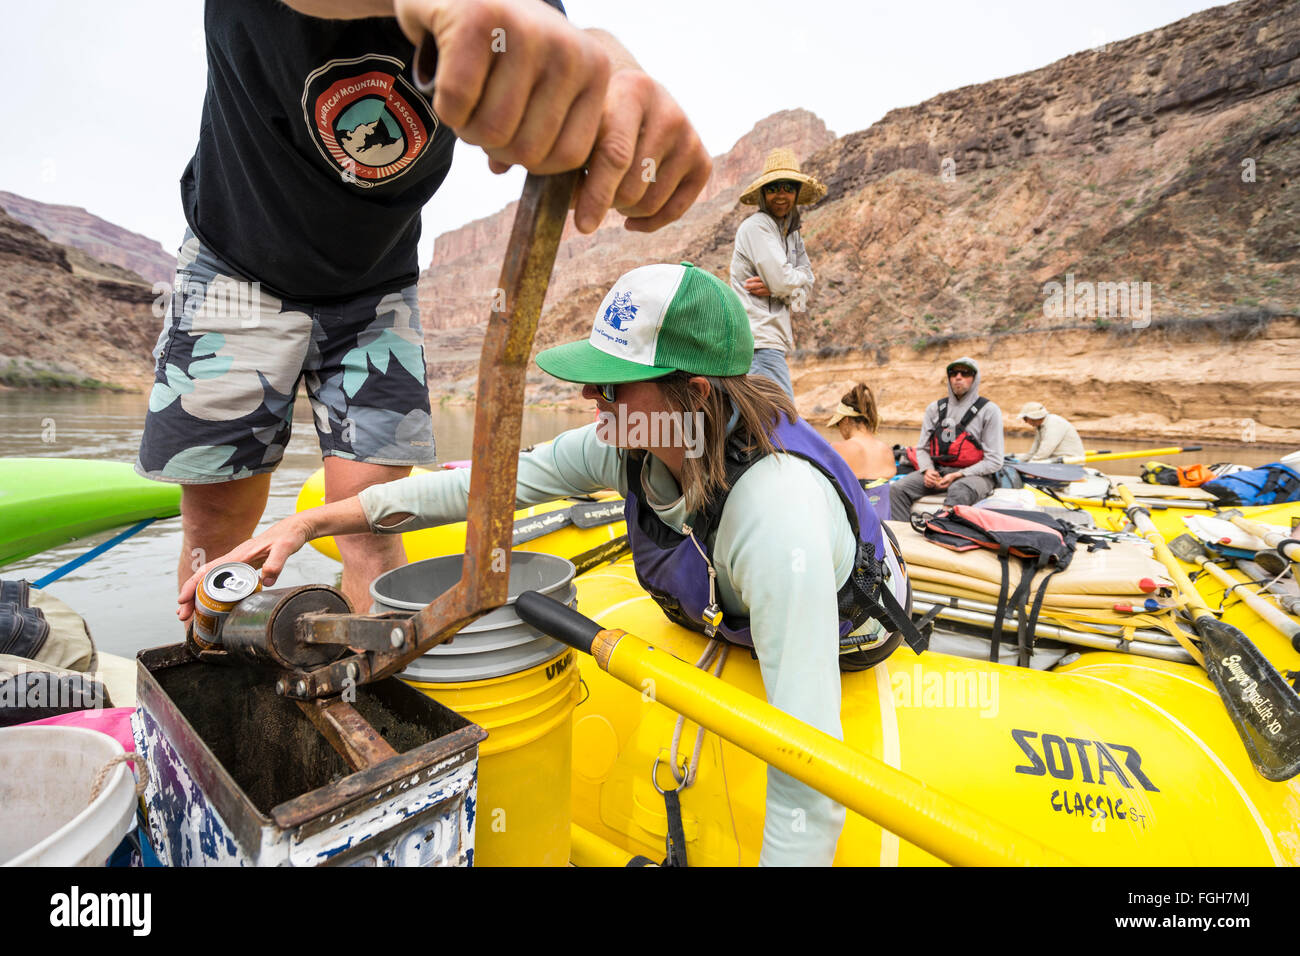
x=925 y=623
x=23 y=631
x=1019 y=600
x=675 y=842
x=15 y=592
x=889 y=612
x=1280 y=485
x=971 y=412
x=1033 y=614
x=1003 y=559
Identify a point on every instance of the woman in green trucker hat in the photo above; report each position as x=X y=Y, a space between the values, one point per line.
x=744 y=523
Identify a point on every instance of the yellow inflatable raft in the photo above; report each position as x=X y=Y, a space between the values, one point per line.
x=1110 y=759
x=567 y=540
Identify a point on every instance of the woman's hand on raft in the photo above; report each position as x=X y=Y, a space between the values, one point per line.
x=268 y=551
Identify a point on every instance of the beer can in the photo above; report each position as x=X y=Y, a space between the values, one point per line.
x=220 y=590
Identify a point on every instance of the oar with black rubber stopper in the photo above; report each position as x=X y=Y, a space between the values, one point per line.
x=1283 y=589
x=1188 y=549
x=1118 y=455
x=936 y=823
x=1263 y=707
x=1287 y=547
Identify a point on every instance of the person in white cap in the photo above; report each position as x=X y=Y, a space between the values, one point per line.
x=770 y=270
x=714 y=510
x=1054 y=437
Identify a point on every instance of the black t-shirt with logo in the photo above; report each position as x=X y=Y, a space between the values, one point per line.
x=316 y=151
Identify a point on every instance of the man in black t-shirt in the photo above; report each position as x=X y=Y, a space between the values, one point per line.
x=316 y=154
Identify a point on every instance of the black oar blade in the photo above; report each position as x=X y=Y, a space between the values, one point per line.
x=529 y=529
x=596 y=513
x=1263 y=706
x=1048 y=472
x=1187 y=549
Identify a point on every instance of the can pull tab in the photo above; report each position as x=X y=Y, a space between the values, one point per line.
x=712 y=613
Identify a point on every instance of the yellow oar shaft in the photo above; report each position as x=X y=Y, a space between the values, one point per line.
x=1186 y=504
x=1267 y=535
x=1117 y=455
x=900 y=803
x=1195 y=603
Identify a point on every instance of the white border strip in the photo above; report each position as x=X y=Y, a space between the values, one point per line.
x=891 y=751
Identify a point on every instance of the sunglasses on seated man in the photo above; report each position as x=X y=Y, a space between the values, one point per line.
x=607 y=392
x=781 y=186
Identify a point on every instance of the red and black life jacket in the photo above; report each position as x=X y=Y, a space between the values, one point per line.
x=963 y=450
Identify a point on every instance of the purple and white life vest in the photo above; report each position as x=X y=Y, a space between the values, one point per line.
x=675 y=574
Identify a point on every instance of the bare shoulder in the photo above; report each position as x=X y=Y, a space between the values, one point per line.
x=880 y=460
x=854 y=454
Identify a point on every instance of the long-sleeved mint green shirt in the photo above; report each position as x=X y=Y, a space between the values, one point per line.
x=782 y=550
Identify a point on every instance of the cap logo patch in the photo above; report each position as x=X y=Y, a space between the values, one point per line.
x=620 y=312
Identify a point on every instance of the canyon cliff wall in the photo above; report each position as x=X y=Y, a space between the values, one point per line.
x=1165 y=167
x=98 y=238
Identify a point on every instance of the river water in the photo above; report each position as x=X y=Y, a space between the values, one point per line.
x=128 y=595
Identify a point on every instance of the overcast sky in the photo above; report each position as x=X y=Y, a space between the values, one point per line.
x=102 y=99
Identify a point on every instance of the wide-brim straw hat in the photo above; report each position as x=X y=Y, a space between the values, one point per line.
x=783 y=164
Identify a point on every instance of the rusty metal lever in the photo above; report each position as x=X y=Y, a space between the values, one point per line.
x=498 y=413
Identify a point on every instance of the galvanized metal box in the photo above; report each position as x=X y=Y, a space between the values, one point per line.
x=239 y=776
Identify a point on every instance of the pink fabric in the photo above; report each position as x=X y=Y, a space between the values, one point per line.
x=114 y=721
x=990 y=519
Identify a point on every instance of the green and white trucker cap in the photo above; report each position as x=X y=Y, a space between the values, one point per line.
x=656 y=320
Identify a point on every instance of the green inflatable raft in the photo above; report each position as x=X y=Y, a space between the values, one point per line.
x=46 y=502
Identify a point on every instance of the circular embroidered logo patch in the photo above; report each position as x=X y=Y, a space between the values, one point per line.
x=366 y=118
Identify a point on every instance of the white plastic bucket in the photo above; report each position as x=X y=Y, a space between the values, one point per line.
x=46 y=815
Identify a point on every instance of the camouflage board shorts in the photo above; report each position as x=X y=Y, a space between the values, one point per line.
x=228 y=363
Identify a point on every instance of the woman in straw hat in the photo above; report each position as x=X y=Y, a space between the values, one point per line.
x=856 y=416
x=770 y=270
x=743 y=522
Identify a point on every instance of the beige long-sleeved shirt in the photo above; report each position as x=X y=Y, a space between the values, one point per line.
x=782 y=263
x=1056 y=439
